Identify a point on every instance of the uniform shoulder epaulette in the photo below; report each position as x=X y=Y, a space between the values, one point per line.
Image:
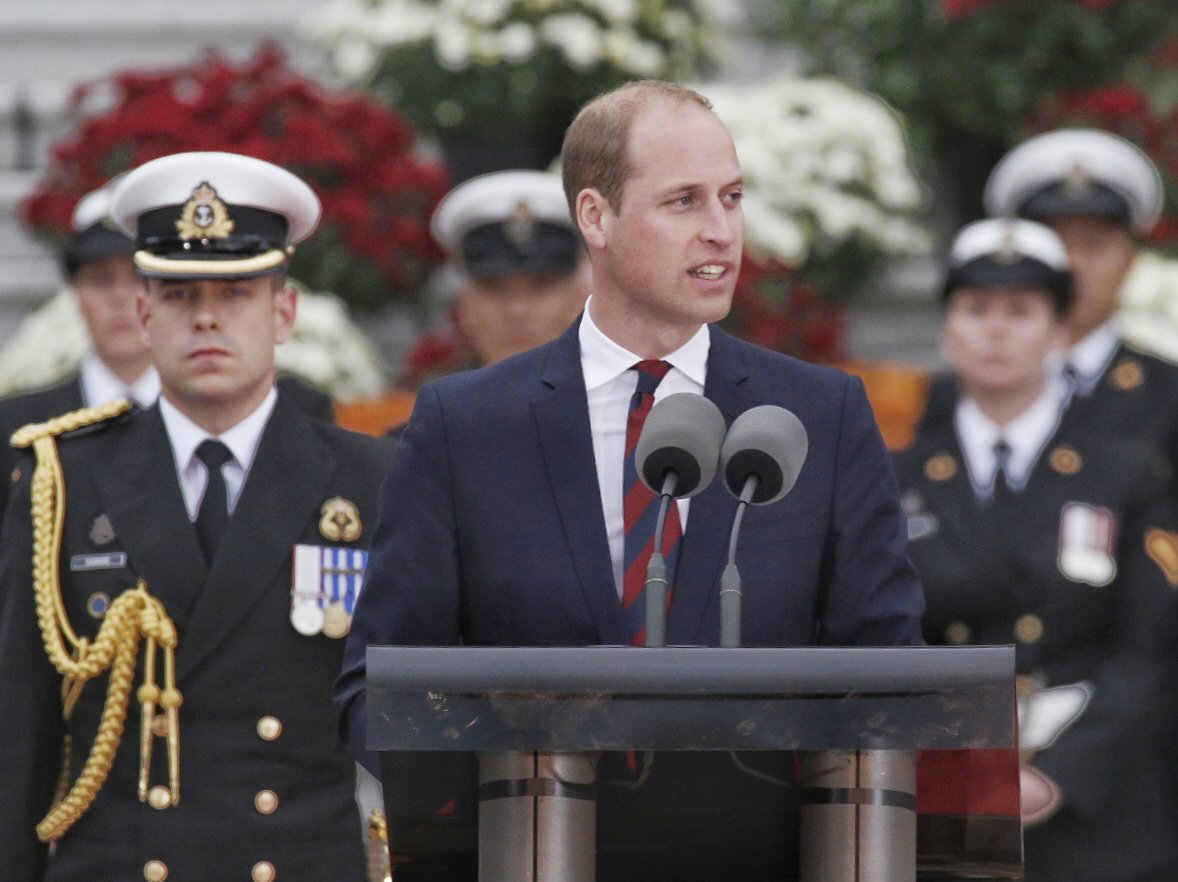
x=83 y=418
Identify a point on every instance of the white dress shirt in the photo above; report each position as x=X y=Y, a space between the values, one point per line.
x=609 y=385
x=242 y=441
x=1026 y=435
x=100 y=385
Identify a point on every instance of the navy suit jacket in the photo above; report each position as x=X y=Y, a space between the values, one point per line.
x=490 y=529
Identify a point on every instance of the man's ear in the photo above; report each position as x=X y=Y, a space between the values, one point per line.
x=143 y=315
x=592 y=213
x=285 y=307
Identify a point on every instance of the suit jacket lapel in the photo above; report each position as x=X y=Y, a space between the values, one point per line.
x=282 y=493
x=709 y=519
x=562 y=423
x=141 y=494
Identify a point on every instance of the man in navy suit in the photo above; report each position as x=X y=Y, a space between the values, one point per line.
x=501 y=521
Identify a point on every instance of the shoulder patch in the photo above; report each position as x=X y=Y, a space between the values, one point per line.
x=1162 y=548
x=70 y=422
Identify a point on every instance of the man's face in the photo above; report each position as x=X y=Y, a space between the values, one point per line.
x=997 y=338
x=213 y=340
x=1100 y=253
x=500 y=316
x=107 y=290
x=668 y=256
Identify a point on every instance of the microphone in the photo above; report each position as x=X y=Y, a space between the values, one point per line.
x=677 y=456
x=761 y=459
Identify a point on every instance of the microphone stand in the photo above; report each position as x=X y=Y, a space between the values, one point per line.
x=730 y=584
x=656 y=571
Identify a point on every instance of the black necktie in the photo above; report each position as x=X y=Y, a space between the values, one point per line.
x=214 y=505
x=1001 y=464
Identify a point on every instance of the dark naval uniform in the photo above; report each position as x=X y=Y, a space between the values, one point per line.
x=266 y=789
x=31 y=407
x=1063 y=571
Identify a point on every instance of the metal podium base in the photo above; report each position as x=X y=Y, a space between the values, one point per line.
x=858 y=819
x=537 y=817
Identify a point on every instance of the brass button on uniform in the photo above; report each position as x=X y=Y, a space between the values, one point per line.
x=1028 y=628
x=957 y=633
x=266 y=802
x=155 y=871
x=159 y=726
x=269 y=728
x=263 y=871
x=159 y=797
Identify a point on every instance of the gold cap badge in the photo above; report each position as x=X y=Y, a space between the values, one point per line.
x=941 y=467
x=339 y=520
x=520 y=228
x=1008 y=251
x=204 y=216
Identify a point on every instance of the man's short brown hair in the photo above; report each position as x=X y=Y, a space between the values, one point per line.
x=596 y=146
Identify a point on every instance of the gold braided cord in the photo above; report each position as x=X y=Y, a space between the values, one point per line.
x=134 y=614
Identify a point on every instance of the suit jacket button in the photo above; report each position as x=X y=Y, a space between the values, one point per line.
x=266 y=802
x=1028 y=628
x=263 y=871
x=159 y=798
x=957 y=633
x=269 y=728
x=155 y=871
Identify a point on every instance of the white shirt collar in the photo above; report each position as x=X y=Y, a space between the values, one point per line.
x=1091 y=355
x=603 y=360
x=242 y=439
x=1027 y=435
x=100 y=385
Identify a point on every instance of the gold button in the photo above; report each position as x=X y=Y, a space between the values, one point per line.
x=266 y=802
x=16 y=474
x=263 y=871
x=269 y=728
x=1028 y=628
x=159 y=797
x=957 y=633
x=155 y=871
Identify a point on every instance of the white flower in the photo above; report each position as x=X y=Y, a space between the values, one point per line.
x=517 y=41
x=452 y=43
x=1148 y=314
x=47 y=347
x=577 y=36
x=618 y=11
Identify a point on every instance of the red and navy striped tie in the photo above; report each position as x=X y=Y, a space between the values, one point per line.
x=640 y=507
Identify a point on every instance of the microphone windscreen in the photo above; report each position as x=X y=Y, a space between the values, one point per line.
x=683 y=433
x=769 y=442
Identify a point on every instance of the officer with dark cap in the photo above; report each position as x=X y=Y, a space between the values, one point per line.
x=172 y=610
x=517 y=275
x=99 y=270
x=1026 y=531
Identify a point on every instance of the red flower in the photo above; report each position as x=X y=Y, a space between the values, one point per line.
x=377 y=194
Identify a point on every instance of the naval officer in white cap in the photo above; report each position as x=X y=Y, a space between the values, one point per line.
x=517 y=275
x=1028 y=532
x=213 y=545
x=1102 y=196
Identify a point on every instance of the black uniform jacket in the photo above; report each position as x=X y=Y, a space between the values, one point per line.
x=257 y=727
x=1022 y=573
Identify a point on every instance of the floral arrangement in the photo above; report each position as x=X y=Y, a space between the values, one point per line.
x=977 y=66
x=505 y=70
x=828 y=188
x=326 y=348
x=373 y=244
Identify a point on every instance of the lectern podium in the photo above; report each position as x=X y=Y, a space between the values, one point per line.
x=519 y=731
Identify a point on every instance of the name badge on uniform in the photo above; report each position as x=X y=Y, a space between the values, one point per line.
x=114 y=560
x=325 y=584
x=1087 y=537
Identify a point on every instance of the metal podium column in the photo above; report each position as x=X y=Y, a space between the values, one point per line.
x=537 y=817
x=858 y=813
